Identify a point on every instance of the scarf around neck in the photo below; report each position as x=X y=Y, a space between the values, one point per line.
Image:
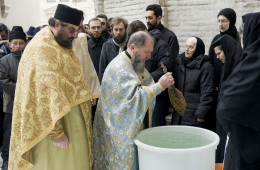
x=120 y=45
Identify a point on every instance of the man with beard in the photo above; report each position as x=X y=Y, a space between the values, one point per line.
x=153 y=18
x=8 y=77
x=52 y=108
x=128 y=93
x=114 y=45
x=153 y=66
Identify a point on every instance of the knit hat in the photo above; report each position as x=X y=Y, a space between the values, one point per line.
x=230 y=14
x=17 y=33
x=37 y=29
x=30 y=32
x=67 y=14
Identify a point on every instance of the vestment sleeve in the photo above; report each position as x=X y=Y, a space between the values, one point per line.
x=57 y=132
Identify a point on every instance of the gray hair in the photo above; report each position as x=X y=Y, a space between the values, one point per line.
x=52 y=20
x=194 y=40
x=139 y=39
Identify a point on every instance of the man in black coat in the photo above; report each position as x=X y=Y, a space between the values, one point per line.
x=95 y=41
x=153 y=66
x=153 y=18
x=114 y=45
x=8 y=77
x=103 y=19
x=95 y=44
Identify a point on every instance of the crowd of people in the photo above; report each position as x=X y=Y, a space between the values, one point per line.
x=74 y=95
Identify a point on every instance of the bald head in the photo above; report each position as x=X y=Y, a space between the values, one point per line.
x=139 y=39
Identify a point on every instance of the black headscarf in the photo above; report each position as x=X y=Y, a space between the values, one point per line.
x=251 y=31
x=239 y=108
x=232 y=50
x=231 y=16
x=200 y=50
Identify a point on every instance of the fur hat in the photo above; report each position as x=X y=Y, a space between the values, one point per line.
x=67 y=14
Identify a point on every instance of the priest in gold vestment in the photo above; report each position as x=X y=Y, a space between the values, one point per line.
x=51 y=128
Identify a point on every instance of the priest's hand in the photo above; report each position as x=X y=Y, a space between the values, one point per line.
x=62 y=142
x=166 y=80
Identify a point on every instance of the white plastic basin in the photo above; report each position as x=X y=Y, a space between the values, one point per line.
x=176 y=148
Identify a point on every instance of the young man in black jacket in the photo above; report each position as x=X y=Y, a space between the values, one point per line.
x=153 y=18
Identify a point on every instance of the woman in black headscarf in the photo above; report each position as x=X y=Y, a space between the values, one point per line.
x=194 y=78
x=239 y=108
x=228 y=51
x=227 y=20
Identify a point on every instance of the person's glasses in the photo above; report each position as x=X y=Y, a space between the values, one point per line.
x=18 y=43
x=189 y=47
x=73 y=30
x=96 y=27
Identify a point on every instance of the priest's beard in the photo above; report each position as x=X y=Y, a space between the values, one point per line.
x=137 y=63
x=62 y=40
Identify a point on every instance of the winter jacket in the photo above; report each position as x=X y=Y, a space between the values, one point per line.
x=108 y=53
x=171 y=39
x=4 y=50
x=160 y=54
x=8 y=77
x=196 y=82
x=94 y=48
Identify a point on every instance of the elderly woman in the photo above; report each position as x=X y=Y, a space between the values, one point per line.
x=194 y=78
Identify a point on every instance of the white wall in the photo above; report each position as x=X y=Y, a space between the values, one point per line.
x=35 y=13
x=22 y=12
x=184 y=17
